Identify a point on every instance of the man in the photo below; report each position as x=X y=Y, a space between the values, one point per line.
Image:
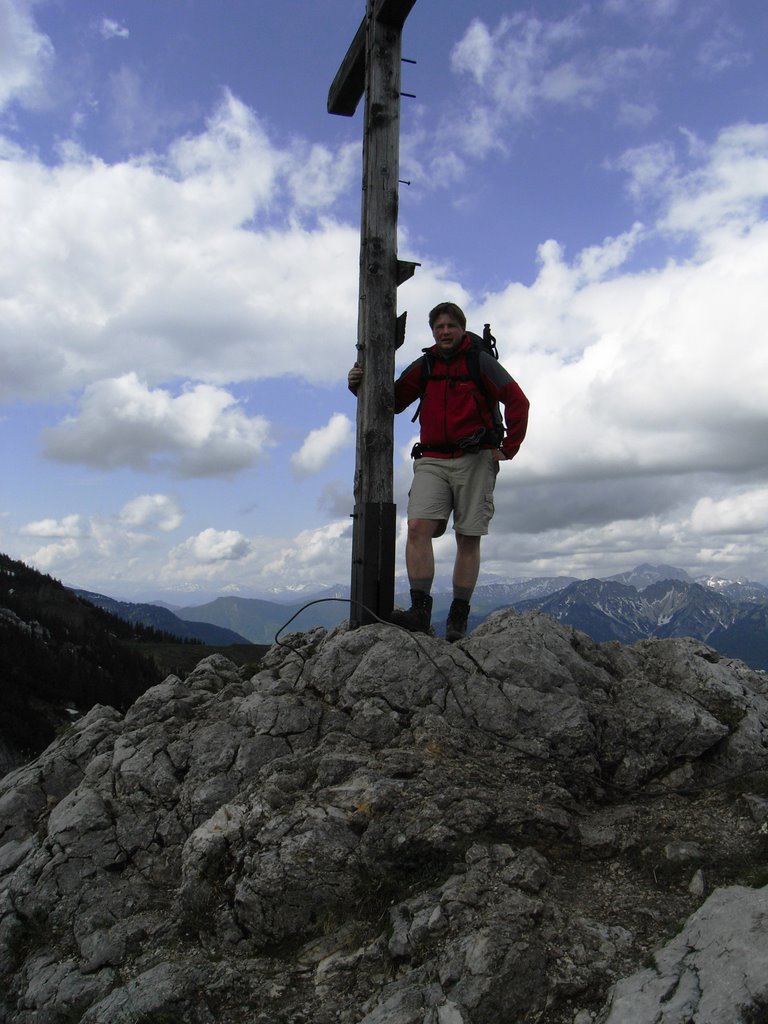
x=456 y=460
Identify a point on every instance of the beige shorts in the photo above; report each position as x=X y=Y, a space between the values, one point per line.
x=461 y=486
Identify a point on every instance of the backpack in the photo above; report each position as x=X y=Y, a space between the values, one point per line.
x=486 y=343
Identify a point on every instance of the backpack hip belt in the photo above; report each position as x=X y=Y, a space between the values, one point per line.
x=468 y=445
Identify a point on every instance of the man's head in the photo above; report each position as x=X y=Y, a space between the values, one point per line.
x=448 y=309
x=448 y=325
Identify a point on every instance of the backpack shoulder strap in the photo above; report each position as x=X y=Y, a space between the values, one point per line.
x=473 y=366
x=426 y=370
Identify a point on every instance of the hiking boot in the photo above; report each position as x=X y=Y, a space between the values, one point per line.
x=418 y=617
x=456 y=626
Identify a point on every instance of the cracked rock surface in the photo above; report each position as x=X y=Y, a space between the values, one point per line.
x=380 y=828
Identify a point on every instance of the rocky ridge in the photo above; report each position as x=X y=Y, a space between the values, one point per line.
x=525 y=826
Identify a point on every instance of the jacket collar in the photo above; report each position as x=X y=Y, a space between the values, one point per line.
x=434 y=351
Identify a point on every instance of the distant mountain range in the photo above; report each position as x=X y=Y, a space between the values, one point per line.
x=615 y=611
x=647 y=601
x=160 y=617
x=729 y=615
x=229 y=620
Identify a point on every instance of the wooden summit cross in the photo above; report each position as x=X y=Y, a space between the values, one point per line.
x=372 y=67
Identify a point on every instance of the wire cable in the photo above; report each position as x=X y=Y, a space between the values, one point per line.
x=358 y=604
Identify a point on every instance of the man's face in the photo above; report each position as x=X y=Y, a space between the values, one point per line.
x=448 y=334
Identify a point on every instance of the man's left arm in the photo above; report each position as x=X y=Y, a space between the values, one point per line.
x=504 y=389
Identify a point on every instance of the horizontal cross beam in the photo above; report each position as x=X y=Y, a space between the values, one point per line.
x=348 y=86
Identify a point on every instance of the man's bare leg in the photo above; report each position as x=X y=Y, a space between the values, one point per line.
x=466 y=568
x=419 y=553
x=420 y=563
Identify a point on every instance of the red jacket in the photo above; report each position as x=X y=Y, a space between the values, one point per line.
x=453 y=408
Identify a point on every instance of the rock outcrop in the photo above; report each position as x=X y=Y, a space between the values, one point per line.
x=380 y=828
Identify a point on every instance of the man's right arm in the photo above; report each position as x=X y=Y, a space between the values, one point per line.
x=354 y=378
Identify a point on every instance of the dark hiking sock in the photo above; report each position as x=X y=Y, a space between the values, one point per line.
x=425 y=586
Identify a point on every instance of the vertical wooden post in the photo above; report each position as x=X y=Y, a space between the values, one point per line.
x=373 y=535
x=376 y=49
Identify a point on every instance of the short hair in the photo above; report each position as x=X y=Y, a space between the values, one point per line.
x=448 y=309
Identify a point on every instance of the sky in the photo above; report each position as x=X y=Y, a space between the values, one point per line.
x=179 y=242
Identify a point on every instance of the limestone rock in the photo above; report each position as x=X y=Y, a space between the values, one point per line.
x=714 y=970
x=381 y=827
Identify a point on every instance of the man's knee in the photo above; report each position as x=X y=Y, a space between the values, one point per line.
x=423 y=530
x=468 y=542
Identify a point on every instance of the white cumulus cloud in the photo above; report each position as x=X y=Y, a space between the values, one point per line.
x=51 y=556
x=322 y=444
x=68 y=527
x=211 y=546
x=313 y=555
x=122 y=422
x=176 y=259
x=744 y=513
x=151 y=509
